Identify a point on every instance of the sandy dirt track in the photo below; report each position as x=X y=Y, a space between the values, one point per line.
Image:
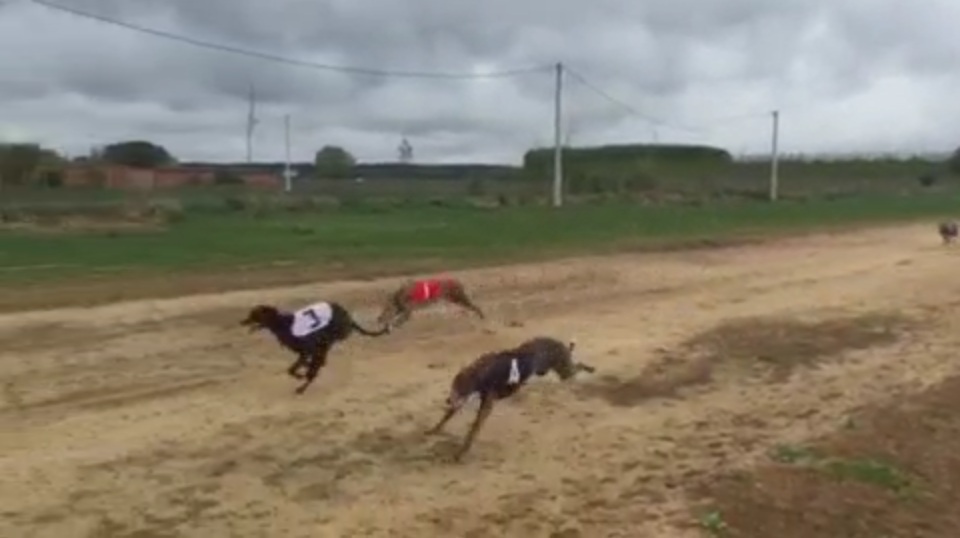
x=164 y=418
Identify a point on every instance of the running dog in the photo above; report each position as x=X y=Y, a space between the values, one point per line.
x=309 y=332
x=500 y=374
x=948 y=231
x=418 y=294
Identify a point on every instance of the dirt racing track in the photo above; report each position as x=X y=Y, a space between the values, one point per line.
x=164 y=418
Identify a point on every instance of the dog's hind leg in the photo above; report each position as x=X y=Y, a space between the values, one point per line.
x=402 y=317
x=486 y=406
x=317 y=361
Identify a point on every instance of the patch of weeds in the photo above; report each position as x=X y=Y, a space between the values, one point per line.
x=869 y=472
x=713 y=523
x=793 y=454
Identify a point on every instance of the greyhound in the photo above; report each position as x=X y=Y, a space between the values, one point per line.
x=417 y=294
x=500 y=374
x=948 y=231
x=309 y=332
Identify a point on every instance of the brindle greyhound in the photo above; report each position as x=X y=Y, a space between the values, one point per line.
x=500 y=374
x=309 y=332
x=418 y=294
x=948 y=231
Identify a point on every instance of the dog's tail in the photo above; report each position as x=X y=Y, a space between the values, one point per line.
x=367 y=332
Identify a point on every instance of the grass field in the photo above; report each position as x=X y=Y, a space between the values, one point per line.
x=457 y=236
x=212 y=251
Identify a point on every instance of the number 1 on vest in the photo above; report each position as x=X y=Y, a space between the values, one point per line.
x=514 y=373
x=314 y=318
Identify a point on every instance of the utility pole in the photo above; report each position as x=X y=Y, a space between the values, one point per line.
x=775 y=157
x=287 y=172
x=251 y=122
x=405 y=151
x=558 y=138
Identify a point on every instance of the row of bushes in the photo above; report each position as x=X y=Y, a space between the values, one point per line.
x=538 y=162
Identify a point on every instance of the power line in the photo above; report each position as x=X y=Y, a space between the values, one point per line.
x=700 y=129
x=625 y=106
x=284 y=60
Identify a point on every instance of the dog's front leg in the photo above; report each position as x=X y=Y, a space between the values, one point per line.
x=451 y=411
x=317 y=361
x=486 y=406
x=293 y=371
x=459 y=297
x=465 y=302
x=583 y=367
x=313 y=368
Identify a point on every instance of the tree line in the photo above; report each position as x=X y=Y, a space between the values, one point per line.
x=32 y=164
x=24 y=163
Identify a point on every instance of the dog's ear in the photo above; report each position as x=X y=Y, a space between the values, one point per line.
x=258 y=315
x=571 y=344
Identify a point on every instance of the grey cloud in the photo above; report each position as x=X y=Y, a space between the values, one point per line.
x=678 y=60
x=898 y=35
x=709 y=20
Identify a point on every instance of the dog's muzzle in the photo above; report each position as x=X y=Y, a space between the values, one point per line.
x=252 y=325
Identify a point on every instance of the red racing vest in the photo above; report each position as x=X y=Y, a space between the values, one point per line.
x=425 y=290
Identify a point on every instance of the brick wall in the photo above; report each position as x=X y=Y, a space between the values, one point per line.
x=124 y=177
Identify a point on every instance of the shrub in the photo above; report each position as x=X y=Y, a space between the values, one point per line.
x=226 y=177
x=953 y=163
x=235 y=203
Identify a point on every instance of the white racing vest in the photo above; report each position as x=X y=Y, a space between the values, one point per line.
x=311 y=319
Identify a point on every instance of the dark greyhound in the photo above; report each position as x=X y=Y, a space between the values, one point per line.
x=500 y=374
x=418 y=294
x=309 y=332
x=948 y=231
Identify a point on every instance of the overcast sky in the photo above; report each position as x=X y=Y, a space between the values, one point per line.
x=848 y=75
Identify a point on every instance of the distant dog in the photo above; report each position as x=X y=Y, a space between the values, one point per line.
x=309 y=332
x=948 y=231
x=418 y=294
x=498 y=375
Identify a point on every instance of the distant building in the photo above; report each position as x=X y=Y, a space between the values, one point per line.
x=113 y=176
